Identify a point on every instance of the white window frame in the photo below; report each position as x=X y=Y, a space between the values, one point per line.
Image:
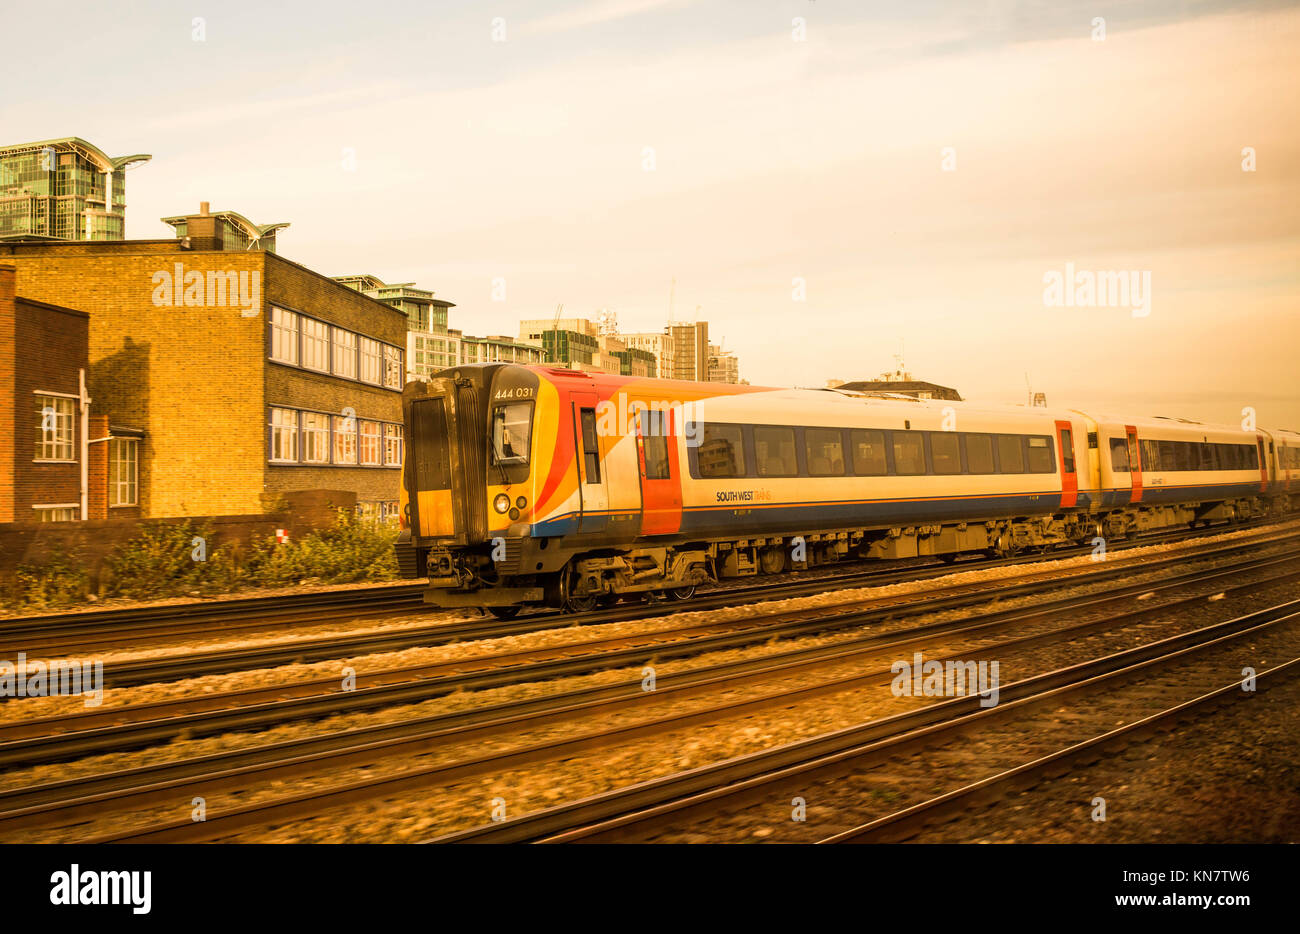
x=315 y=428
x=283 y=430
x=392 y=445
x=368 y=442
x=345 y=441
x=51 y=445
x=284 y=336
x=73 y=508
x=392 y=366
x=315 y=345
x=370 y=360
x=344 y=362
x=123 y=491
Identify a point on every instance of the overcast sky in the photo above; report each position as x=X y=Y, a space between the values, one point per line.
x=919 y=167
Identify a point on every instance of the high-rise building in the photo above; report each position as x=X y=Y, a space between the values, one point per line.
x=430 y=344
x=63 y=189
x=681 y=350
x=724 y=367
x=580 y=344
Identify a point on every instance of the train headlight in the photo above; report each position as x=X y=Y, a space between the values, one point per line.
x=521 y=502
x=502 y=503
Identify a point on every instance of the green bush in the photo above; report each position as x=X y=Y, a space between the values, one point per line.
x=161 y=561
x=351 y=550
x=59 y=582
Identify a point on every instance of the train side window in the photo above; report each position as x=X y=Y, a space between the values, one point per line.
x=1011 y=454
x=1183 y=455
x=944 y=452
x=590 y=446
x=1042 y=458
x=721 y=452
x=909 y=453
x=824 y=448
x=774 y=451
x=979 y=454
x=1206 y=454
x=1150 y=454
x=868 y=453
x=1252 y=457
x=1067 y=449
x=1119 y=455
x=1168 y=459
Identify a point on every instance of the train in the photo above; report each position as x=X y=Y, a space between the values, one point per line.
x=543 y=486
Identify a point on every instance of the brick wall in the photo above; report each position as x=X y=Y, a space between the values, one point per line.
x=43 y=347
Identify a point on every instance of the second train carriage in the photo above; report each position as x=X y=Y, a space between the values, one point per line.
x=549 y=486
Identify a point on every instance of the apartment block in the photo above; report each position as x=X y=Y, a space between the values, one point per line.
x=66 y=189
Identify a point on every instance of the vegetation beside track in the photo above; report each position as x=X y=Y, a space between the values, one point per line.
x=172 y=558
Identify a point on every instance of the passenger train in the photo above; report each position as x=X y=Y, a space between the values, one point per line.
x=546 y=486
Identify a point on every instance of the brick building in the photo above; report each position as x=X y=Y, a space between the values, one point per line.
x=249 y=375
x=48 y=431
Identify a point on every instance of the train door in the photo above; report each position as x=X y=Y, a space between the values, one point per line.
x=1069 y=470
x=1134 y=464
x=593 y=489
x=661 y=483
x=1263 y=465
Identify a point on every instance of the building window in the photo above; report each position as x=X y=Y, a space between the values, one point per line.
x=64 y=513
x=345 y=353
x=284 y=436
x=54 y=428
x=392 y=367
x=315 y=345
x=123 y=468
x=370 y=361
x=370 y=444
x=345 y=439
x=284 y=336
x=315 y=438
x=392 y=445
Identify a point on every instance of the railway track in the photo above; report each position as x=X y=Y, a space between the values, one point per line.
x=116 y=729
x=169 y=783
x=66 y=634
x=646 y=808
x=304 y=651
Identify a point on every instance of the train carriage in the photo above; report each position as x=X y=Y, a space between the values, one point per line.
x=532 y=485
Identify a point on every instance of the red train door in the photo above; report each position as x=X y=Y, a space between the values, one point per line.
x=1069 y=473
x=593 y=491
x=1134 y=464
x=661 y=483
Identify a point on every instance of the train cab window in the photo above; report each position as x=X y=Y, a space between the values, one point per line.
x=590 y=447
x=979 y=454
x=510 y=430
x=1041 y=456
x=944 y=452
x=909 y=453
x=721 y=451
x=868 y=453
x=1067 y=449
x=1011 y=454
x=1119 y=455
x=824 y=448
x=774 y=451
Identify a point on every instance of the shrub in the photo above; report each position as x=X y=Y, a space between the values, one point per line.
x=350 y=550
x=160 y=561
x=59 y=582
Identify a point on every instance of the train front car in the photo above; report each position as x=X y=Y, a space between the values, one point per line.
x=467 y=484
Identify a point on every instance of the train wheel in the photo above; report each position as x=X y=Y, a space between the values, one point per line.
x=771 y=560
x=680 y=593
x=504 y=612
x=948 y=557
x=580 y=604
